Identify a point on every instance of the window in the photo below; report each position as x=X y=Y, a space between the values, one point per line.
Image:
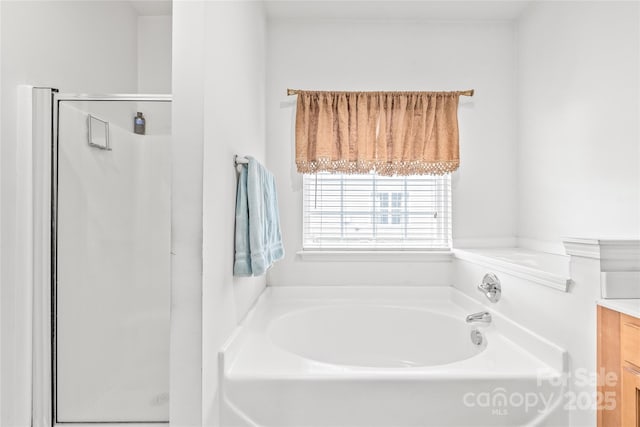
x=376 y=212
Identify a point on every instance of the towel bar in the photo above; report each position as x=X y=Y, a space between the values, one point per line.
x=238 y=160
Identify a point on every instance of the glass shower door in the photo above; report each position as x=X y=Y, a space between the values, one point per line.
x=113 y=243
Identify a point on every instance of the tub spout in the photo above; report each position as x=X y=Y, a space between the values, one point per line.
x=483 y=316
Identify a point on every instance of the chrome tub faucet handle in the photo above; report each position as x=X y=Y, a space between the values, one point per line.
x=491 y=287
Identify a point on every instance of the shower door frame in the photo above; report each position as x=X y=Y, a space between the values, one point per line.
x=45 y=127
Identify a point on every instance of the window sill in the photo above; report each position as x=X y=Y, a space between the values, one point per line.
x=376 y=256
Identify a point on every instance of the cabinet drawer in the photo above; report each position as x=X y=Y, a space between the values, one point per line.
x=630 y=339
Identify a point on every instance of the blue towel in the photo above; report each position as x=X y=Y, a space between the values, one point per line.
x=258 y=238
x=242 y=263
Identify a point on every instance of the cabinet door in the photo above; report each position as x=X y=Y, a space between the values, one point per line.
x=630 y=396
x=609 y=363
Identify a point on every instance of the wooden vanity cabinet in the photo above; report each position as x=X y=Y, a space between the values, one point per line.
x=619 y=354
x=630 y=361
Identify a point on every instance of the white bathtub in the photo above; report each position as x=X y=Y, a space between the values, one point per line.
x=378 y=356
x=374 y=336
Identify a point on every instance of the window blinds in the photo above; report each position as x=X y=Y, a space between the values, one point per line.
x=370 y=211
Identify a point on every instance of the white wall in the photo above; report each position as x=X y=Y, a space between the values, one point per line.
x=219 y=87
x=1 y=245
x=76 y=47
x=578 y=105
x=185 y=382
x=234 y=124
x=578 y=161
x=154 y=54
x=403 y=55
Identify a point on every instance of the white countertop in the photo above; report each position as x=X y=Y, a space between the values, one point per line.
x=630 y=307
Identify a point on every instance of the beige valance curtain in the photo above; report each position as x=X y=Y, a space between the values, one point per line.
x=392 y=133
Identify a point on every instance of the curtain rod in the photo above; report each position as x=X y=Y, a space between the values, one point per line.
x=468 y=92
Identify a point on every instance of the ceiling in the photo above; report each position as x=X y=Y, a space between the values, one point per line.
x=432 y=10
x=152 y=7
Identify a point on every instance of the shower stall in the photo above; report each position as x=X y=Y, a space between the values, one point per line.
x=102 y=295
